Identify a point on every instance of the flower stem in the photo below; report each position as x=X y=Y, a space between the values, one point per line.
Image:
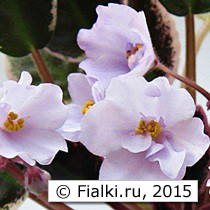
x=187 y=81
x=43 y=71
x=190 y=52
x=41 y=199
x=200 y=36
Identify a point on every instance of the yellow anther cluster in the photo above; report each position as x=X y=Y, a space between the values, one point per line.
x=154 y=128
x=13 y=123
x=133 y=51
x=141 y=129
x=87 y=106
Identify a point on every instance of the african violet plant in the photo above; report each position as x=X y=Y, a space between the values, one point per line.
x=125 y=121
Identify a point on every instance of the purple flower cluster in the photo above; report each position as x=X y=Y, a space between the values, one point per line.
x=118 y=43
x=29 y=118
x=144 y=130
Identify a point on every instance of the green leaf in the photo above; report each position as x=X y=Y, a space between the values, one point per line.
x=10 y=190
x=25 y=24
x=164 y=36
x=72 y=16
x=184 y=7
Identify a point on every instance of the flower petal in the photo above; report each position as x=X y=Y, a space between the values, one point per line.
x=124 y=165
x=179 y=100
x=112 y=125
x=72 y=126
x=136 y=143
x=80 y=88
x=98 y=91
x=25 y=78
x=105 y=44
x=139 y=25
x=170 y=161
x=153 y=91
x=16 y=94
x=189 y=135
x=134 y=94
x=155 y=147
x=102 y=63
x=117 y=15
x=7 y=148
x=4 y=110
x=44 y=108
x=40 y=145
x=25 y=157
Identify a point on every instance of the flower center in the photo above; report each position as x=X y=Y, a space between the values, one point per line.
x=153 y=128
x=133 y=50
x=87 y=106
x=13 y=123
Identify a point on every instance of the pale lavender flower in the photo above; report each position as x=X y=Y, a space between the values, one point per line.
x=145 y=130
x=118 y=43
x=85 y=92
x=29 y=118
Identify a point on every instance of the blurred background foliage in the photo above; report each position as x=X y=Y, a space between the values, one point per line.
x=11 y=190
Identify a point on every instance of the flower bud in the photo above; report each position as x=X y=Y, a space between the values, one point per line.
x=36 y=180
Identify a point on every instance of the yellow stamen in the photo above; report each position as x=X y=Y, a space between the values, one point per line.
x=13 y=116
x=21 y=121
x=141 y=128
x=153 y=128
x=133 y=51
x=87 y=106
x=17 y=127
x=13 y=123
x=10 y=121
x=8 y=126
x=21 y=125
